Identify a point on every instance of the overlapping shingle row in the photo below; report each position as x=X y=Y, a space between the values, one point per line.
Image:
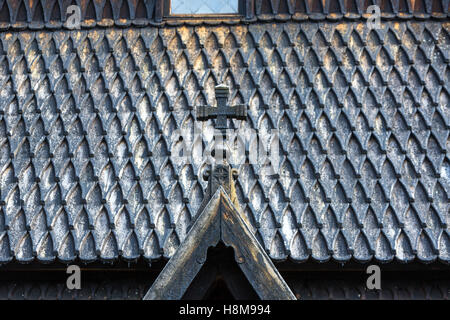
x=87 y=121
x=318 y=288
x=38 y=14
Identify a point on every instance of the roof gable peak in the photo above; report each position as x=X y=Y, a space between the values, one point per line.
x=219 y=221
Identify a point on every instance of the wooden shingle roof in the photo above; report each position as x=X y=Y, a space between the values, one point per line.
x=87 y=116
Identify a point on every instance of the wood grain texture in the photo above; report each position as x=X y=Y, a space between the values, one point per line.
x=184 y=265
x=250 y=255
x=219 y=221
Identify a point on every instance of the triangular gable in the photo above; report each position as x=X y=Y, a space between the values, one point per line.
x=219 y=221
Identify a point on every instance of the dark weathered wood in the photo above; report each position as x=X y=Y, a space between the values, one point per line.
x=249 y=9
x=223 y=111
x=237 y=282
x=220 y=265
x=159 y=9
x=202 y=282
x=184 y=265
x=222 y=176
x=220 y=221
x=251 y=256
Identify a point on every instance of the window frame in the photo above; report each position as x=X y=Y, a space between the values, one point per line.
x=167 y=14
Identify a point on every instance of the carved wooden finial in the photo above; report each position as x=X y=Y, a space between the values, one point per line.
x=221 y=174
x=223 y=111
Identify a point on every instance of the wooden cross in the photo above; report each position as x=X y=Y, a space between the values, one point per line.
x=223 y=111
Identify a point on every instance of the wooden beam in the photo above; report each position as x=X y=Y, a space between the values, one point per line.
x=184 y=265
x=219 y=221
x=251 y=256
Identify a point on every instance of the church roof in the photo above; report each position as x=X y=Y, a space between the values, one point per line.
x=87 y=120
x=51 y=14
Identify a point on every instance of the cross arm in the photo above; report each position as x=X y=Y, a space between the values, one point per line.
x=203 y=113
x=236 y=112
x=239 y=112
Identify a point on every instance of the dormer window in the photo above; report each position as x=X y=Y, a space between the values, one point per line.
x=202 y=7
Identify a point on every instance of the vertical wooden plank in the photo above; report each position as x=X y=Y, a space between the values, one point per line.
x=159 y=9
